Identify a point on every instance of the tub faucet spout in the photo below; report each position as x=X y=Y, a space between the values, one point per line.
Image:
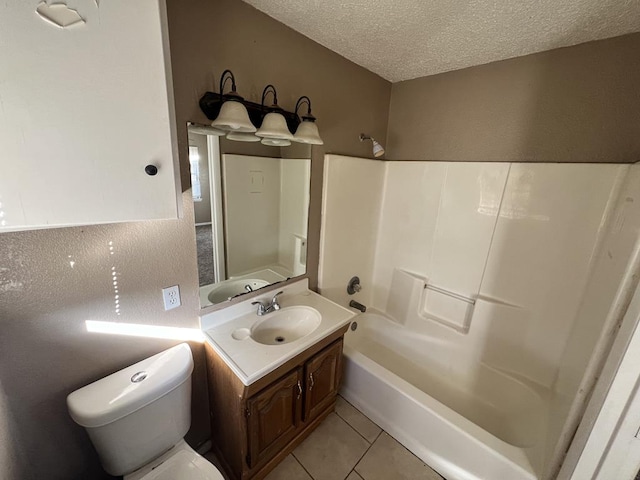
x=357 y=305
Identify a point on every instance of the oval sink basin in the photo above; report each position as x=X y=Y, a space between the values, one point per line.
x=286 y=325
x=230 y=288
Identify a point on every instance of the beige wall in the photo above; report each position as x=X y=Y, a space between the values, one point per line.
x=45 y=350
x=576 y=104
x=221 y=34
x=51 y=282
x=509 y=113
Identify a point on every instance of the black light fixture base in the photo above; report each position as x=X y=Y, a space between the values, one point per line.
x=211 y=102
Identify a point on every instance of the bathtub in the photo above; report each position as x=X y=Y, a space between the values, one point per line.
x=468 y=421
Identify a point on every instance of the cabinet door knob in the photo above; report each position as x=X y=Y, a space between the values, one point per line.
x=299 y=390
x=312 y=382
x=151 y=170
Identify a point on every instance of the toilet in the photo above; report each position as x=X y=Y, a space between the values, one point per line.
x=137 y=417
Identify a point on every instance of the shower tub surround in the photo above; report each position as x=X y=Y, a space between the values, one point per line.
x=477 y=372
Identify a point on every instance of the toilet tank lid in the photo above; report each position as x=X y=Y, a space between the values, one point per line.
x=127 y=390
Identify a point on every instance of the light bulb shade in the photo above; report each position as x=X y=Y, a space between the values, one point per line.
x=242 y=137
x=233 y=117
x=378 y=151
x=275 y=142
x=274 y=126
x=205 y=130
x=307 y=132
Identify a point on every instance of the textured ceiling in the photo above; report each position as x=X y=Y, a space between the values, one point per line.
x=404 y=39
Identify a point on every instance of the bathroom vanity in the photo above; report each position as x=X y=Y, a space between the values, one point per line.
x=265 y=398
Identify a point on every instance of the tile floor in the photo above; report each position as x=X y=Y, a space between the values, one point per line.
x=349 y=446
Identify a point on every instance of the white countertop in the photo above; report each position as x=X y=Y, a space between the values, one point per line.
x=251 y=360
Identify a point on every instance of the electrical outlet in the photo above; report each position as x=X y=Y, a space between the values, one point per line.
x=171 y=297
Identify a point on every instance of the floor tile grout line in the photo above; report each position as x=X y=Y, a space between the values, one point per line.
x=361 y=413
x=303 y=467
x=365 y=439
x=408 y=451
x=357 y=410
x=353 y=470
x=360 y=459
x=354 y=429
x=369 y=445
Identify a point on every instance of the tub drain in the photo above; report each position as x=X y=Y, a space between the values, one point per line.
x=279 y=339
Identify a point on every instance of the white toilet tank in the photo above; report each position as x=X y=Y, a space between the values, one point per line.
x=137 y=413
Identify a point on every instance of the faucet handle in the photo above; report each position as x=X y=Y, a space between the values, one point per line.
x=354 y=286
x=274 y=301
x=261 y=308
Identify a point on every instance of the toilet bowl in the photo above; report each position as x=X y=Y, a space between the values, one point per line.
x=137 y=417
x=181 y=462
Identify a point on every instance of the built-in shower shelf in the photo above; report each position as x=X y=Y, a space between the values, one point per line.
x=412 y=294
x=447 y=307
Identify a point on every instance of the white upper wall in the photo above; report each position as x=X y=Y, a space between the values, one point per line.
x=541 y=255
x=437 y=220
x=601 y=307
x=351 y=199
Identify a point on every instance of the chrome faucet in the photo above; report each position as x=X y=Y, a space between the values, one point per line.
x=268 y=307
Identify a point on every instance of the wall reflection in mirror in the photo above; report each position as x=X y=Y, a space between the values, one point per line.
x=251 y=204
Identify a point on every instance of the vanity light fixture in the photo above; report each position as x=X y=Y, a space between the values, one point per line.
x=275 y=142
x=233 y=116
x=378 y=150
x=307 y=131
x=243 y=137
x=204 y=129
x=231 y=113
x=274 y=125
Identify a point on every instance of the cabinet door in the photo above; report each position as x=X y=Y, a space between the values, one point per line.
x=83 y=110
x=322 y=376
x=274 y=417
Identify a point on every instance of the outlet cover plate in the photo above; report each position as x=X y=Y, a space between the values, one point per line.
x=171 y=297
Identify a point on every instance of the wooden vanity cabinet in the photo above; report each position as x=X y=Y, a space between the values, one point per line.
x=322 y=376
x=254 y=427
x=274 y=417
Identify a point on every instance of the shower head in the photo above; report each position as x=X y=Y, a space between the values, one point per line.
x=378 y=150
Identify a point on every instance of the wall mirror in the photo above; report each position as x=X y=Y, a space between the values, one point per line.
x=251 y=204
